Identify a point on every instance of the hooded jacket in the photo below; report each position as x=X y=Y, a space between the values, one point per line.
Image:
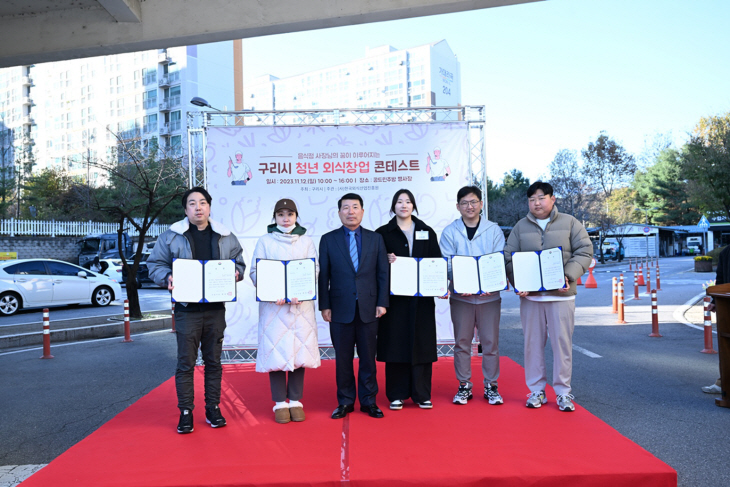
x=287 y=333
x=488 y=239
x=176 y=243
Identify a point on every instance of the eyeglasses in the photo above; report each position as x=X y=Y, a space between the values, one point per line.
x=469 y=204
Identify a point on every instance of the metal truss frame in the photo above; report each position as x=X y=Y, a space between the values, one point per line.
x=247 y=355
x=198 y=124
x=474 y=116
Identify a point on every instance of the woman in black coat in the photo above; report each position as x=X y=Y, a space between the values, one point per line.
x=407 y=332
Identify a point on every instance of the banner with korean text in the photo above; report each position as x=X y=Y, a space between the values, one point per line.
x=250 y=168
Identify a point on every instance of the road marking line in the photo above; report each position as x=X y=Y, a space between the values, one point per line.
x=679 y=312
x=585 y=352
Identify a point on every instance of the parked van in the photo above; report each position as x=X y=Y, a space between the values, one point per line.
x=102 y=245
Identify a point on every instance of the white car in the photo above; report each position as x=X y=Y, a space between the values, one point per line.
x=38 y=283
x=113 y=269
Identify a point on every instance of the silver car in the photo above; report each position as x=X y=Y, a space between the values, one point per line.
x=38 y=283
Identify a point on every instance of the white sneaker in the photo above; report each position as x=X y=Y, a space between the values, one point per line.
x=713 y=389
x=396 y=405
x=492 y=395
x=565 y=403
x=536 y=399
x=464 y=393
x=425 y=405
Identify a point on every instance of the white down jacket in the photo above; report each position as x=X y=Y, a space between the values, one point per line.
x=287 y=333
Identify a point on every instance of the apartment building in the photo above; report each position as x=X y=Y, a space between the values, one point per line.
x=74 y=111
x=427 y=75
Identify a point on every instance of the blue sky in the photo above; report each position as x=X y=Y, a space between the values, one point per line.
x=552 y=74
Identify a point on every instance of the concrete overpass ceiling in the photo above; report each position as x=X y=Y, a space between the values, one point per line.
x=35 y=31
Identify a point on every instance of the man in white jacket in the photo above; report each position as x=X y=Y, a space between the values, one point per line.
x=473 y=235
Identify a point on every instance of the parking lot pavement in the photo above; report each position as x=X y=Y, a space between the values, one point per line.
x=646 y=388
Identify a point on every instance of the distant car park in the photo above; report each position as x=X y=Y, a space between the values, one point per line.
x=143 y=272
x=38 y=283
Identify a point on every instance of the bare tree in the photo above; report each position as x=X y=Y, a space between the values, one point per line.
x=567 y=182
x=607 y=164
x=142 y=184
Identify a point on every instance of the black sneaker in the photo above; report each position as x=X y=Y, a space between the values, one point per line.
x=214 y=417
x=185 y=425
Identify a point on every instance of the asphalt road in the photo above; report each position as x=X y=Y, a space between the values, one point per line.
x=646 y=388
x=151 y=299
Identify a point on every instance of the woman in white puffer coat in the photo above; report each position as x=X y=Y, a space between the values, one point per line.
x=287 y=331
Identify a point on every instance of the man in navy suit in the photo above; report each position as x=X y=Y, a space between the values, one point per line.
x=353 y=294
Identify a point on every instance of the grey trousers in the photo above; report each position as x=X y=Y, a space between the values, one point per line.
x=281 y=389
x=485 y=318
x=540 y=318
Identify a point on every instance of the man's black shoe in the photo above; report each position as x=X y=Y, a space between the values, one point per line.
x=373 y=411
x=185 y=425
x=214 y=417
x=342 y=411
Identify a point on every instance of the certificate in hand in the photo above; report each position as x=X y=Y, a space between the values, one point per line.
x=479 y=274
x=540 y=270
x=203 y=281
x=286 y=279
x=424 y=276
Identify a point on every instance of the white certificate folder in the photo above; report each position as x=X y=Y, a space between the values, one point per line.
x=419 y=276
x=286 y=279
x=539 y=270
x=479 y=274
x=203 y=281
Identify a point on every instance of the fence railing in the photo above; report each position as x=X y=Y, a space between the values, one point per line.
x=52 y=228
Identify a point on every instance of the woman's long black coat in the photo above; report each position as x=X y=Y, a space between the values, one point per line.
x=407 y=332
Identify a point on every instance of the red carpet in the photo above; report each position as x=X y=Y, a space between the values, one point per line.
x=448 y=445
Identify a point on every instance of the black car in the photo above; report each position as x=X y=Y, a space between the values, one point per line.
x=143 y=273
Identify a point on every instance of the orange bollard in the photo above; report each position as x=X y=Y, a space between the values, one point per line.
x=591 y=281
x=630 y=265
x=708 y=328
x=658 y=281
x=173 y=317
x=648 y=279
x=46 y=335
x=621 y=280
x=636 y=285
x=621 y=310
x=654 y=316
x=614 y=291
x=641 y=275
x=127 y=337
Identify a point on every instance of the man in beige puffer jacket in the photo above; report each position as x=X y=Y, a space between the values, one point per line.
x=549 y=312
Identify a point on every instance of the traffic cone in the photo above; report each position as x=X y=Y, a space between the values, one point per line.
x=579 y=282
x=591 y=281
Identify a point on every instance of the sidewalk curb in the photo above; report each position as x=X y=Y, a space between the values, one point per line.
x=106 y=330
x=680 y=311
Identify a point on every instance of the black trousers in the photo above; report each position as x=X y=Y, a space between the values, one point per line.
x=403 y=381
x=345 y=336
x=204 y=330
